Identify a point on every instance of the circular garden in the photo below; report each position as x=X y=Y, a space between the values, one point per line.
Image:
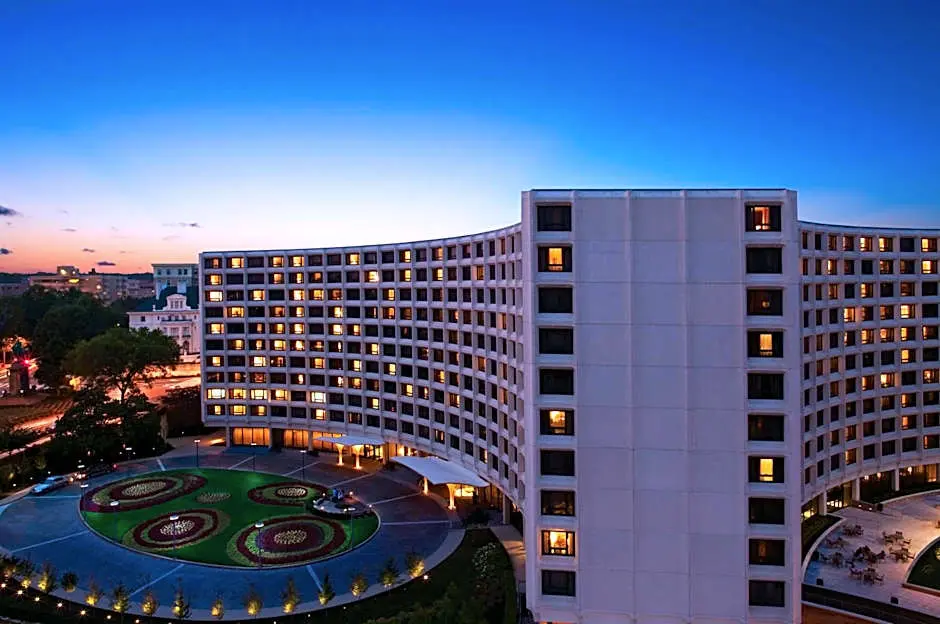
x=222 y=517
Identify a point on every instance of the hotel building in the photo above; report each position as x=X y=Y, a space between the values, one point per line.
x=662 y=382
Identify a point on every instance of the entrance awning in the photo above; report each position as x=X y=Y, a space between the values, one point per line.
x=438 y=471
x=350 y=440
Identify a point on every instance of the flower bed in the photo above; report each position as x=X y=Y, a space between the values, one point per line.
x=287 y=540
x=141 y=493
x=286 y=493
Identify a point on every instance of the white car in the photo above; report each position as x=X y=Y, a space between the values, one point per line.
x=51 y=483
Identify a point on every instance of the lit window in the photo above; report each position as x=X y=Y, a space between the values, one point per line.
x=356 y=365
x=555 y=261
x=930 y=376
x=391 y=369
x=355 y=330
x=216 y=328
x=887 y=380
x=297 y=345
x=297 y=311
x=297 y=295
x=864 y=243
x=374 y=404
x=766 y=473
x=438 y=275
x=278 y=328
x=928 y=244
x=928 y=266
x=277 y=278
x=215 y=393
x=259 y=394
x=257 y=295
x=316 y=294
x=296 y=328
x=389 y=294
x=237 y=393
x=214 y=295
x=279 y=345
x=236 y=312
x=848 y=315
x=258 y=360
x=236 y=263
x=868 y=336
x=761 y=216
x=215 y=360
x=406 y=275
x=906 y=334
x=373 y=349
x=319 y=414
x=558 y=543
x=372 y=276
x=319 y=363
x=318 y=397
x=238 y=410
x=215 y=280
x=277 y=262
x=215 y=410
x=907 y=310
x=336 y=330
x=296 y=261
x=409 y=390
x=406 y=255
x=905 y=356
x=352 y=258
x=766 y=344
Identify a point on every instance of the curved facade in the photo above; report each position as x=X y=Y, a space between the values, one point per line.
x=659 y=380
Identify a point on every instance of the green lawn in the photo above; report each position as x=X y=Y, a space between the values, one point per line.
x=926 y=570
x=237 y=513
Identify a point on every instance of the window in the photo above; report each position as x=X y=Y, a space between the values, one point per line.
x=765 y=427
x=766 y=510
x=558 y=543
x=557 y=503
x=762 y=218
x=767 y=552
x=555 y=300
x=556 y=381
x=764 y=260
x=558 y=583
x=928 y=267
x=555 y=259
x=764 y=302
x=765 y=386
x=557 y=422
x=766 y=593
x=556 y=340
x=765 y=344
x=557 y=463
x=553 y=218
x=765 y=469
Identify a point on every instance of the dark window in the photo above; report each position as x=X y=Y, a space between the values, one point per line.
x=556 y=381
x=767 y=552
x=929 y=289
x=555 y=259
x=766 y=510
x=765 y=386
x=557 y=503
x=555 y=300
x=558 y=583
x=907 y=244
x=556 y=340
x=767 y=593
x=765 y=302
x=553 y=218
x=557 y=463
x=765 y=469
x=764 y=344
x=760 y=218
x=764 y=260
x=557 y=422
x=765 y=427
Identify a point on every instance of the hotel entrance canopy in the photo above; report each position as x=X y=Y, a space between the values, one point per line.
x=438 y=471
x=350 y=440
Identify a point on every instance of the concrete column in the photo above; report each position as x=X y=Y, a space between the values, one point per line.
x=451 y=487
x=856 y=489
x=270 y=438
x=823 y=503
x=356 y=451
x=507 y=509
x=896 y=479
x=228 y=436
x=425 y=485
x=339 y=451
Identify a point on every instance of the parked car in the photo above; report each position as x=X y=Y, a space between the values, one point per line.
x=95 y=471
x=51 y=483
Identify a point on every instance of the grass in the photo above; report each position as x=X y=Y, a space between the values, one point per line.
x=813 y=527
x=241 y=511
x=926 y=569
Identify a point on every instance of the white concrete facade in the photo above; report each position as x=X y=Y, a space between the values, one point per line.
x=625 y=366
x=176 y=319
x=184 y=276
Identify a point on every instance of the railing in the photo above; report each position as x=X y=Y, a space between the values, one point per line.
x=895 y=614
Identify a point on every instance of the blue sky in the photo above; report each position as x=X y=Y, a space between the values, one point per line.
x=275 y=123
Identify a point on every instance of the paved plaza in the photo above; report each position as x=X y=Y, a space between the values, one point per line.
x=49 y=528
x=916 y=517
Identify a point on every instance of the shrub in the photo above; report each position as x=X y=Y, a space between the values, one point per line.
x=25 y=569
x=69 y=581
x=253 y=603
x=181 y=608
x=389 y=573
x=326 y=593
x=9 y=566
x=290 y=597
x=218 y=608
x=414 y=564
x=149 y=604
x=93 y=596
x=120 y=598
x=359 y=585
x=47 y=578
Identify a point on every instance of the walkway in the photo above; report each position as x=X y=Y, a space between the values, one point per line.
x=916 y=517
x=50 y=528
x=509 y=537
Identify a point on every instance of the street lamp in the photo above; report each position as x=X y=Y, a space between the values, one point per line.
x=174 y=519
x=260 y=525
x=196 y=445
x=253 y=453
x=81 y=500
x=303 y=464
x=114 y=505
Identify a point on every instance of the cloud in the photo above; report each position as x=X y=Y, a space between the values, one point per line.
x=88 y=250
x=106 y=263
x=181 y=224
x=114 y=229
x=5 y=252
x=65 y=212
x=9 y=212
x=69 y=230
x=170 y=237
x=10 y=223
x=122 y=252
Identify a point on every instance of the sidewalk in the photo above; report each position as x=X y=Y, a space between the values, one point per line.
x=509 y=537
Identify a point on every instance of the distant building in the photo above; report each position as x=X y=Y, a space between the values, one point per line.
x=173 y=313
x=68 y=277
x=13 y=290
x=182 y=276
x=140 y=288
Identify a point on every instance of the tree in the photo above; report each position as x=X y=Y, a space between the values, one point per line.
x=149 y=604
x=94 y=593
x=359 y=585
x=69 y=581
x=181 y=608
x=25 y=569
x=414 y=564
x=47 y=578
x=120 y=598
x=253 y=601
x=290 y=597
x=123 y=358
x=183 y=410
x=389 y=573
x=67 y=322
x=218 y=608
x=327 y=593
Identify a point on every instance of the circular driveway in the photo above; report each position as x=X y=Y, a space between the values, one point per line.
x=49 y=528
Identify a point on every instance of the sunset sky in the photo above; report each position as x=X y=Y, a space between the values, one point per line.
x=146 y=131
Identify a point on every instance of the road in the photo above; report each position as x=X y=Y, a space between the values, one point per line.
x=5 y=376
x=163 y=385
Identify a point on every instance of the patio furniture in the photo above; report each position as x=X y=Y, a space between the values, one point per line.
x=856 y=573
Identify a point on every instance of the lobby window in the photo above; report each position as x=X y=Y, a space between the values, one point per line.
x=556 y=340
x=764 y=302
x=556 y=381
x=556 y=463
x=765 y=344
x=557 y=503
x=555 y=259
x=558 y=543
x=766 y=593
x=555 y=300
x=767 y=552
x=558 y=583
x=764 y=260
x=765 y=469
x=553 y=218
x=765 y=386
x=762 y=218
x=765 y=427
x=556 y=422
x=766 y=510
